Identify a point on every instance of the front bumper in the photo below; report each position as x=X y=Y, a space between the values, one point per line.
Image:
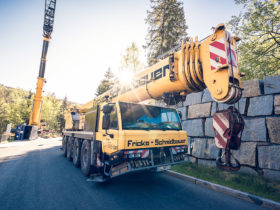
x=155 y=159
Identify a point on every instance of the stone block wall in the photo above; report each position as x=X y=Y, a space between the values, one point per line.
x=260 y=147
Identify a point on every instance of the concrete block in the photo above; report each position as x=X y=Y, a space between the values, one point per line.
x=277 y=104
x=209 y=127
x=272 y=84
x=204 y=148
x=246 y=154
x=183 y=110
x=211 y=151
x=251 y=88
x=193 y=98
x=254 y=130
x=198 y=147
x=262 y=105
x=271 y=174
x=199 y=110
x=268 y=157
x=273 y=127
x=193 y=127
x=206 y=96
x=208 y=163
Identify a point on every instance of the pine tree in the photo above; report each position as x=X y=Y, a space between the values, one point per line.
x=167 y=27
x=106 y=83
x=130 y=60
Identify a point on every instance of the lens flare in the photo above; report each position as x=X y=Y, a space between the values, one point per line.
x=126 y=78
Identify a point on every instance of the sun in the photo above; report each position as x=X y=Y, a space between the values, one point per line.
x=126 y=78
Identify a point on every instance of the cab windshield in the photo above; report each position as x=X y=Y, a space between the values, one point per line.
x=145 y=117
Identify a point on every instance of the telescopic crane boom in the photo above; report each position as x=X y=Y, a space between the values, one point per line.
x=35 y=115
x=211 y=63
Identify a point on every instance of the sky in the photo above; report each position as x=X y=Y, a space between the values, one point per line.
x=89 y=36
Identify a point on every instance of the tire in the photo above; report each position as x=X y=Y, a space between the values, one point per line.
x=77 y=152
x=64 y=145
x=85 y=158
x=69 y=149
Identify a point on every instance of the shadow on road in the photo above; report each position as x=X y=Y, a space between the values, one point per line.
x=44 y=179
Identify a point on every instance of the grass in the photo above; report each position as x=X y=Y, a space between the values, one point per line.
x=255 y=185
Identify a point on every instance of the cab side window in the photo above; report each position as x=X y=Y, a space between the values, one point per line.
x=114 y=119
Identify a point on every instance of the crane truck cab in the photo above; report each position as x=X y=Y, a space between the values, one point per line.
x=121 y=137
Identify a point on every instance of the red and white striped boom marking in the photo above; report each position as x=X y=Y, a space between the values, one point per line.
x=219 y=54
x=221 y=126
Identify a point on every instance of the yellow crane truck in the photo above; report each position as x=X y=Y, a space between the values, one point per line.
x=115 y=134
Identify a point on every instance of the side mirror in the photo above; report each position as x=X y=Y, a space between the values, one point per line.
x=106 y=122
x=180 y=114
x=107 y=109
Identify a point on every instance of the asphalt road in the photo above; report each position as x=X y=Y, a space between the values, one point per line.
x=35 y=175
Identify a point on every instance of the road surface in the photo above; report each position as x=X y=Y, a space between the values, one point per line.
x=35 y=175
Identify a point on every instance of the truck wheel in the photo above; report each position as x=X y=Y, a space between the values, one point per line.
x=85 y=158
x=64 y=145
x=69 y=149
x=77 y=152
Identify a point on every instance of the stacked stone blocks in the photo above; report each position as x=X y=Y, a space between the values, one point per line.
x=260 y=107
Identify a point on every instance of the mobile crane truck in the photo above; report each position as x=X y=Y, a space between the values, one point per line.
x=35 y=115
x=115 y=134
x=30 y=131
